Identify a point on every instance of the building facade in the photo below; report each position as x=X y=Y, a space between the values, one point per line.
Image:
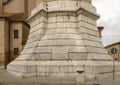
x=13 y=29
x=116 y=46
x=112 y=49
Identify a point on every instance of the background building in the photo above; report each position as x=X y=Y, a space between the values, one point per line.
x=115 y=55
x=116 y=46
x=13 y=29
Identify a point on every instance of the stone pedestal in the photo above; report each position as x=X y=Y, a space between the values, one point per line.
x=62 y=39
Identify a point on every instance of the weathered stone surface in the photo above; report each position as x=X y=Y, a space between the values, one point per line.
x=62 y=39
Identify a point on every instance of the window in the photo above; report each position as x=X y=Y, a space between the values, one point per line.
x=15 y=34
x=16 y=51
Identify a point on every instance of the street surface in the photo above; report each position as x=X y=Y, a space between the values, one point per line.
x=10 y=79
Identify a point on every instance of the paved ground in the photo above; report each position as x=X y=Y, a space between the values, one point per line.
x=106 y=81
x=10 y=79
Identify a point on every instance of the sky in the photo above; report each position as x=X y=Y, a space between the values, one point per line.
x=109 y=11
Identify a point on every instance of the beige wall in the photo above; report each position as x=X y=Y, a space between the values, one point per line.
x=4 y=43
x=14 y=6
x=6 y=37
x=31 y=6
x=38 y=2
x=7 y=27
x=25 y=34
x=0 y=6
x=1 y=43
x=15 y=43
x=7 y=41
x=23 y=30
x=115 y=56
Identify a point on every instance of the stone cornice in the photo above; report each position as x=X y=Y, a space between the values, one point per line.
x=87 y=13
x=77 y=12
x=10 y=21
x=4 y=19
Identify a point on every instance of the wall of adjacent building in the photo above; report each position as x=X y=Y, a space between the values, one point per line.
x=4 y=43
x=10 y=21
x=25 y=34
x=14 y=6
x=31 y=6
x=23 y=31
x=8 y=42
x=0 y=6
x=1 y=43
x=114 y=45
x=15 y=43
